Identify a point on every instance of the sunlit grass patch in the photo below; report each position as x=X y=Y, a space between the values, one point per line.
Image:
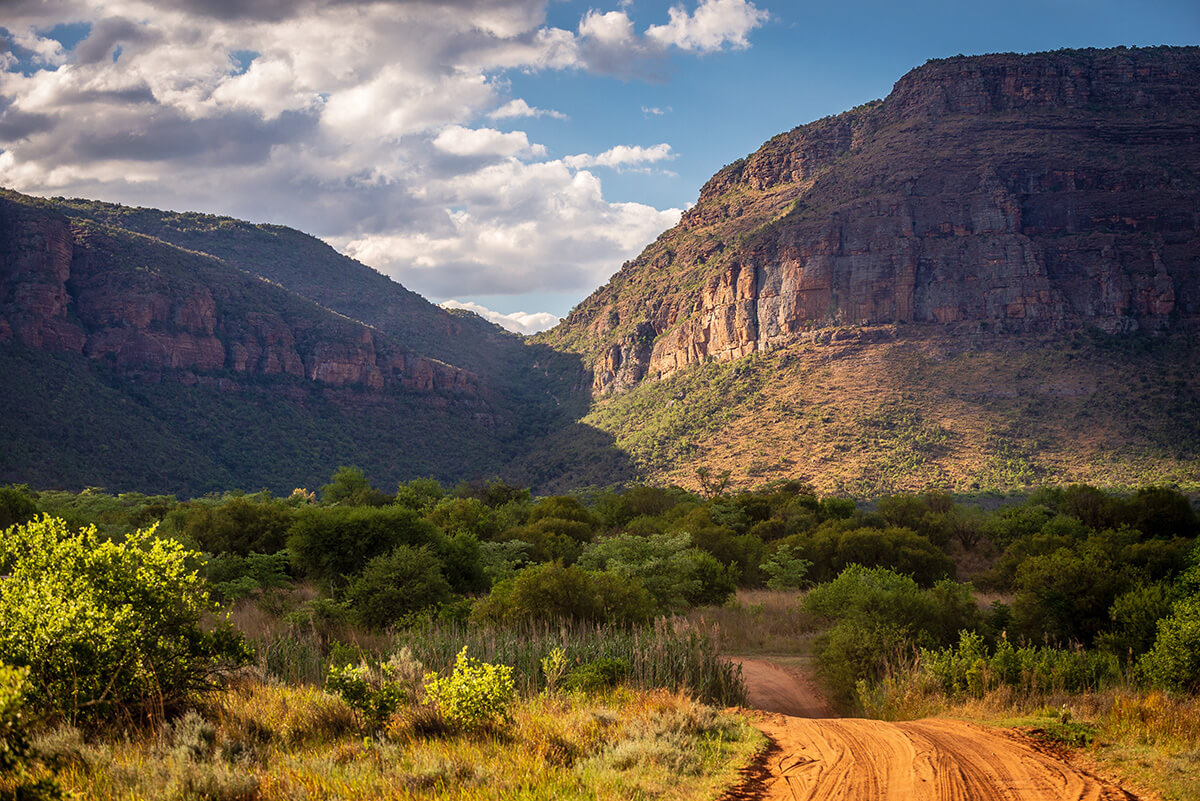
x=261 y=742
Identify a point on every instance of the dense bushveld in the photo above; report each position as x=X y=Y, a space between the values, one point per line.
x=336 y=604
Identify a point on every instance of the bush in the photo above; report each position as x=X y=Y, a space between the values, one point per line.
x=1174 y=661
x=107 y=627
x=676 y=574
x=17 y=781
x=476 y=694
x=598 y=674
x=786 y=570
x=552 y=593
x=334 y=543
x=373 y=694
x=881 y=619
x=16 y=506
x=404 y=581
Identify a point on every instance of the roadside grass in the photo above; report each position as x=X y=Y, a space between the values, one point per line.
x=262 y=741
x=758 y=622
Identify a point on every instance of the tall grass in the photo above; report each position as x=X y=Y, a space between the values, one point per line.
x=671 y=654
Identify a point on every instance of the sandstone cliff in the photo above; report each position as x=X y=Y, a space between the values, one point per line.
x=143 y=306
x=989 y=196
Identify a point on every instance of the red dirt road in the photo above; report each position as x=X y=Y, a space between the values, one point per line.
x=849 y=759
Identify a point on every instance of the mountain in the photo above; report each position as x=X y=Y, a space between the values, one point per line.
x=185 y=353
x=987 y=279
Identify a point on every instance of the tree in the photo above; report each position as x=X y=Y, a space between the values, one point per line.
x=405 y=580
x=349 y=487
x=107 y=627
x=16 y=505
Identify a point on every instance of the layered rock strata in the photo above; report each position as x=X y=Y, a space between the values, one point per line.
x=994 y=195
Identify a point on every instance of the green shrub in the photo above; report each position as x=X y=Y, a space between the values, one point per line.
x=1174 y=661
x=17 y=763
x=553 y=593
x=391 y=586
x=334 y=543
x=476 y=694
x=598 y=674
x=676 y=574
x=786 y=570
x=16 y=505
x=373 y=694
x=105 y=626
x=881 y=619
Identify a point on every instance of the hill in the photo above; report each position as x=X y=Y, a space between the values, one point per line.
x=184 y=353
x=989 y=278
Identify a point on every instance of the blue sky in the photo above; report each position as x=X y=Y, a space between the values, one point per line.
x=504 y=154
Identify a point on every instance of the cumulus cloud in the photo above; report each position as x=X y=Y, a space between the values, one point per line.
x=714 y=24
x=517 y=322
x=519 y=108
x=622 y=156
x=361 y=122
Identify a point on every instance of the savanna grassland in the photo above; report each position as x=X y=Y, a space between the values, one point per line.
x=479 y=642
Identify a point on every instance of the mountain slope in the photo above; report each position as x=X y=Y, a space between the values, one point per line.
x=892 y=266
x=136 y=363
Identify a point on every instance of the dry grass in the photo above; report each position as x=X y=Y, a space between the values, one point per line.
x=264 y=742
x=921 y=411
x=758 y=622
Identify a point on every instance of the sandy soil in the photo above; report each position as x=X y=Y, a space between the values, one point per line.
x=827 y=759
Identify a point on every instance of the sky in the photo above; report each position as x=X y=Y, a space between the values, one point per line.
x=505 y=156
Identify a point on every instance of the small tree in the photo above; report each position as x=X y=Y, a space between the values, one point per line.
x=105 y=626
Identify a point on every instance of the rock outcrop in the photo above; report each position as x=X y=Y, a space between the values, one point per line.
x=993 y=195
x=143 y=306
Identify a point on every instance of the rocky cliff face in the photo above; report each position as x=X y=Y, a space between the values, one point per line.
x=143 y=306
x=994 y=195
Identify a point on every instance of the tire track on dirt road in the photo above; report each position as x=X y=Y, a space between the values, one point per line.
x=852 y=759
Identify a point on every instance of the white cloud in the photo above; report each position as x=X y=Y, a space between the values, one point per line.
x=517 y=322
x=714 y=24
x=358 y=122
x=622 y=156
x=460 y=141
x=519 y=108
x=654 y=111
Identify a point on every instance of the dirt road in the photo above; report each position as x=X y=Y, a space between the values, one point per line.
x=833 y=759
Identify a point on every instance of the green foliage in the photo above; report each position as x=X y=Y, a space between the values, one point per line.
x=552 y=592
x=1174 y=661
x=420 y=494
x=972 y=668
x=880 y=619
x=396 y=584
x=834 y=546
x=235 y=577
x=106 y=627
x=240 y=525
x=373 y=694
x=17 y=760
x=676 y=574
x=597 y=675
x=334 y=543
x=17 y=505
x=350 y=487
x=475 y=694
x=786 y=570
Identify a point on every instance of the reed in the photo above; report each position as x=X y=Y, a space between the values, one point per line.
x=671 y=654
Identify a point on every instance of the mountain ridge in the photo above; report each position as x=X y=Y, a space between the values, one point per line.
x=830 y=223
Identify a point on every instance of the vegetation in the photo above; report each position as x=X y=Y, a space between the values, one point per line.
x=445 y=618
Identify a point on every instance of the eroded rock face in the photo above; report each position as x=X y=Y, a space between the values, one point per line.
x=145 y=307
x=998 y=194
